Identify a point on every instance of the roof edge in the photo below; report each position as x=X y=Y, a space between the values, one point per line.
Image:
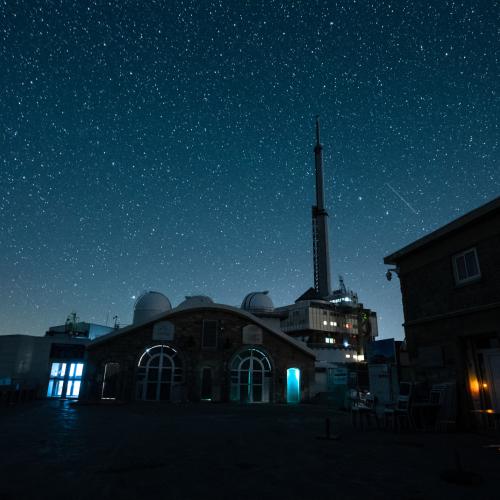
x=173 y=312
x=442 y=231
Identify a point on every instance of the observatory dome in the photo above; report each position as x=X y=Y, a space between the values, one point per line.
x=195 y=301
x=149 y=305
x=257 y=302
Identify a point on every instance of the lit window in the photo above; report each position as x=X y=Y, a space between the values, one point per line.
x=466 y=266
x=329 y=340
x=63 y=379
x=325 y=323
x=347 y=355
x=348 y=325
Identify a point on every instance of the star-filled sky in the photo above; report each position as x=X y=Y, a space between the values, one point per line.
x=161 y=145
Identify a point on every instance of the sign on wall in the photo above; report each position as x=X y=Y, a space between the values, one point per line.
x=252 y=334
x=163 y=330
x=339 y=375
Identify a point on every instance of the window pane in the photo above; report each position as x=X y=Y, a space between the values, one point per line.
x=69 y=388
x=166 y=375
x=257 y=393
x=243 y=393
x=49 y=389
x=153 y=374
x=461 y=270
x=59 y=387
x=72 y=367
x=76 y=388
x=151 y=391
x=244 y=374
x=471 y=263
x=155 y=361
x=79 y=369
x=54 y=372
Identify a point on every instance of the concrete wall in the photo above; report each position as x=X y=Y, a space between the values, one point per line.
x=24 y=359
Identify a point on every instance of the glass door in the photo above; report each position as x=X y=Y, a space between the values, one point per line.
x=65 y=380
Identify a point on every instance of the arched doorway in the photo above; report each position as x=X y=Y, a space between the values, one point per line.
x=159 y=374
x=251 y=377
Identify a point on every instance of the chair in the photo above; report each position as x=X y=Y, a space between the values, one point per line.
x=363 y=411
x=398 y=415
x=446 y=414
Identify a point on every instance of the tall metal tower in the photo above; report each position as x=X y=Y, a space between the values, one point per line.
x=321 y=253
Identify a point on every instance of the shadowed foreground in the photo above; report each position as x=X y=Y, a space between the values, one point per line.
x=55 y=449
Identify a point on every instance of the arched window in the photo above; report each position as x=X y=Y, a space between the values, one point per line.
x=159 y=374
x=251 y=377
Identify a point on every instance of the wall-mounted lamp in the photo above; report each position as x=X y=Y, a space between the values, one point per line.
x=389 y=272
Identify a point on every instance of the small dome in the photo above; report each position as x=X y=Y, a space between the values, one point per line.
x=149 y=305
x=257 y=302
x=196 y=301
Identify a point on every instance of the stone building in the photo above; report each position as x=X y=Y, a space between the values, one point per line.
x=199 y=351
x=450 y=285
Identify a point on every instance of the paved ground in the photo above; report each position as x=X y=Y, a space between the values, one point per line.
x=55 y=449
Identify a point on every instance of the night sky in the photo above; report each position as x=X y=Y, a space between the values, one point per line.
x=168 y=146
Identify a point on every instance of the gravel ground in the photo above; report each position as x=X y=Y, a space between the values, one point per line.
x=55 y=449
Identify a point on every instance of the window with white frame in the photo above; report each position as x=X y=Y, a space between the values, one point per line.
x=466 y=266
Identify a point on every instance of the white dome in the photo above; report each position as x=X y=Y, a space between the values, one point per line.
x=195 y=301
x=257 y=302
x=149 y=305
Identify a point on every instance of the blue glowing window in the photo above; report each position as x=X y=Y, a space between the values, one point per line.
x=65 y=382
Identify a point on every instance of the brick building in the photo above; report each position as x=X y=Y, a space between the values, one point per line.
x=450 y=285
x=199 y=351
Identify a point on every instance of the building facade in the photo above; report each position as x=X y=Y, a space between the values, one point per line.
x=199 y=351
x=450 y=285
x=49 y=366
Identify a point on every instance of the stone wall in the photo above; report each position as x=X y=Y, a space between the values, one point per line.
x=427 y=280
x=127 y=348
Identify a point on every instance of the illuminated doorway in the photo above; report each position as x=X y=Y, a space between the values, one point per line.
x=251 y=377
x=159 y=374
x=65 y=380
x=293 y=385
x=110 y=381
